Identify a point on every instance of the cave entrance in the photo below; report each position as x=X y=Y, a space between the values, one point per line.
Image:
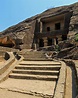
x=41 y=43
x=56 y=40
x=57 y=26
x=49 y=41
x=48 y=29
x=64 y=37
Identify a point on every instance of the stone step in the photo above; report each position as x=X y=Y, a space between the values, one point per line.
x=33 y=77
x=38 y=67
x=40 y=62
x=36 y=59
x=42 y=57
x=37 y=72
x=34 y=54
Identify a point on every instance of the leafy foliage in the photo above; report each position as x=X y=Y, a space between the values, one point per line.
x=76 y=37
x=57 y=48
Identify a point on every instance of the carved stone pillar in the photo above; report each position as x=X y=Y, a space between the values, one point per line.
x=41 y=27
x=45 y=41
x=34 y=46
x=38 y=43
x=59 y=38
x=54 y=41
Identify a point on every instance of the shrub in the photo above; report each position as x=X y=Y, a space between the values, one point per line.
x=76 y=37
x=57 y=48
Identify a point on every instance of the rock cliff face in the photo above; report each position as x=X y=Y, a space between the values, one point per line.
x=24 y=32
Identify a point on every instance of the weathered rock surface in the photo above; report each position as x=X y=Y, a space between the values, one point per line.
x=23 y=33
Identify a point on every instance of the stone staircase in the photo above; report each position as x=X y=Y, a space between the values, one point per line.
x=34 y=75
x=36 y=70
x=34 y=55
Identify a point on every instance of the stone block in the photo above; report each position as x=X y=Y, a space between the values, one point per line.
x=7 y=56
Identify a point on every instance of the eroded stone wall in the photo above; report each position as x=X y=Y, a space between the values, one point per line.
x=26 y=29
x=73 y=28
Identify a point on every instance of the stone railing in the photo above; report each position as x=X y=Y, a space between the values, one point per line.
x=74 y=65
x=10 y=59
x=60 y=88
x=51 y=33
x=4 y=49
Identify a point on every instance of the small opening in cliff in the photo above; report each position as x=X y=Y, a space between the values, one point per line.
x=9 y=45
x=7 y=42
x=48 y=28
x=57 y=26
x=56 y=40
x=41 y=43
x=49 y=41
x=64 y=37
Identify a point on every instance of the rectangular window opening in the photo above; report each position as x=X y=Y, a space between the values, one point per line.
x=57 y=26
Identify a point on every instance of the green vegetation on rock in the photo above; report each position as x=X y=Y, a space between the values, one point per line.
x=57 y=48
x=76 y=37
